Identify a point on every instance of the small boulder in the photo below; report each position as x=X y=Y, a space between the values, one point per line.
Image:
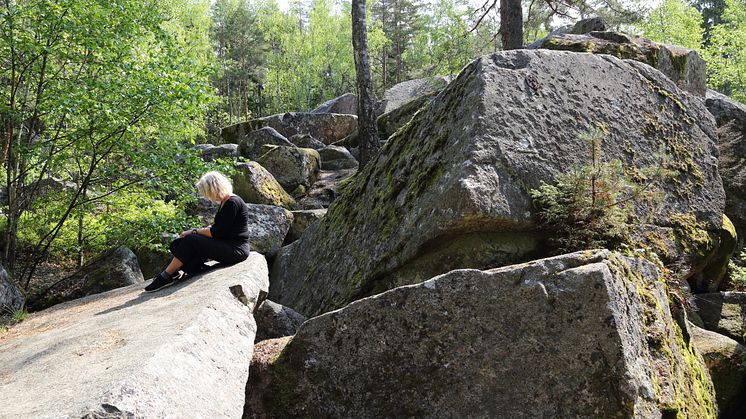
x=326 y=127
x=292 y=166
x=325 y=190
x=724 y=313
x=306 y=141
x=204 y=209
x=345 y=104
x=301 y=221
x=400 y=94
x=223 y=151
x=276 y=321
x=724 y=358
x=252 y=144
x=268 y=226
x=115 y=268
x=255 y=185
x=152 y=262
x=10 y=296
x=593 y=24
x=683 y=66
x=336 y=158
x=710 y=279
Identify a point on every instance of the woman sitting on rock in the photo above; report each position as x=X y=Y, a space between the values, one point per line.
x=225 y=241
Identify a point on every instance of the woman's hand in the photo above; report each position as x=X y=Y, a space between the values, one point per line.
x=185 y=233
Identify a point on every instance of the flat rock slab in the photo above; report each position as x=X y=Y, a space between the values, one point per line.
x=182 y=352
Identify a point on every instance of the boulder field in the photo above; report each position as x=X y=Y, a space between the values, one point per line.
x=451 y=188
x=179 y=353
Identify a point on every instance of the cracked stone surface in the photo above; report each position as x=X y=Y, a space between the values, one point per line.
x=126 y=353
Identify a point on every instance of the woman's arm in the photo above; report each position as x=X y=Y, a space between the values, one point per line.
x=201 y=231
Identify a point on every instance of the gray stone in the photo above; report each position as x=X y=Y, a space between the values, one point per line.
x=451 y=190
x=336 y=158
x=390 y=122
x=301 y=221
x=306 y=141
x=255 y=185
x=684 y=66
x=731 y=121
x=275 y=321
x=292 y=166
x=325 y=190
x=175 y=353
x=204 y=209
x=724 y=359
x=152 y=262
x=326 y=127
x=268 y=226
x=116 y=268
x=593 y=24
x=345 y=104
x=223 y=151
x=588 y=334
x=251 y=145
x=10 y=296
x=400 y=94
x=724 y=313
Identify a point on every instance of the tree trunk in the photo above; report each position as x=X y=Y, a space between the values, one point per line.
x=366 y=118
x=511 y=24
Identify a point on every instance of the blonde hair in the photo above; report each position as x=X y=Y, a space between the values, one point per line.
x=214 y=186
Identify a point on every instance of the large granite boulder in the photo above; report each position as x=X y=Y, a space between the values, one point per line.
x=326 y=127
x=731 y=121
x=116 y=268
x=251 y=145
x=724 y=313
x=210 y=152
x=127 y=354
x=682 y=65
x=336 y=158
x=275 y=321
x=588 y=334
x=345 y=104
x=10 y=296
x=292 y=166
x=402 y=93
x=268 y=226
x=450 y=190
x=724 y=359
x=255 y=185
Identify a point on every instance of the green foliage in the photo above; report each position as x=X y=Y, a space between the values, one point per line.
x=726 y=52
x=9 y=317
x=586 y=208
x=674 y=22
x=737 y=273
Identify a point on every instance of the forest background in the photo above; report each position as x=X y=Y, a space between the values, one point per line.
x=108 y=97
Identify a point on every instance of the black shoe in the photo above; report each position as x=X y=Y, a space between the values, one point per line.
x=158 y=283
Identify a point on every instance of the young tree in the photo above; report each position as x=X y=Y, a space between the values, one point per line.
x=511 y=24
x=675 y=23
x=367 y=130
x=726 y=53
x=90 y=87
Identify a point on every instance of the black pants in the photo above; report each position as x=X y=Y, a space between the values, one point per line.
x=194 y=250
